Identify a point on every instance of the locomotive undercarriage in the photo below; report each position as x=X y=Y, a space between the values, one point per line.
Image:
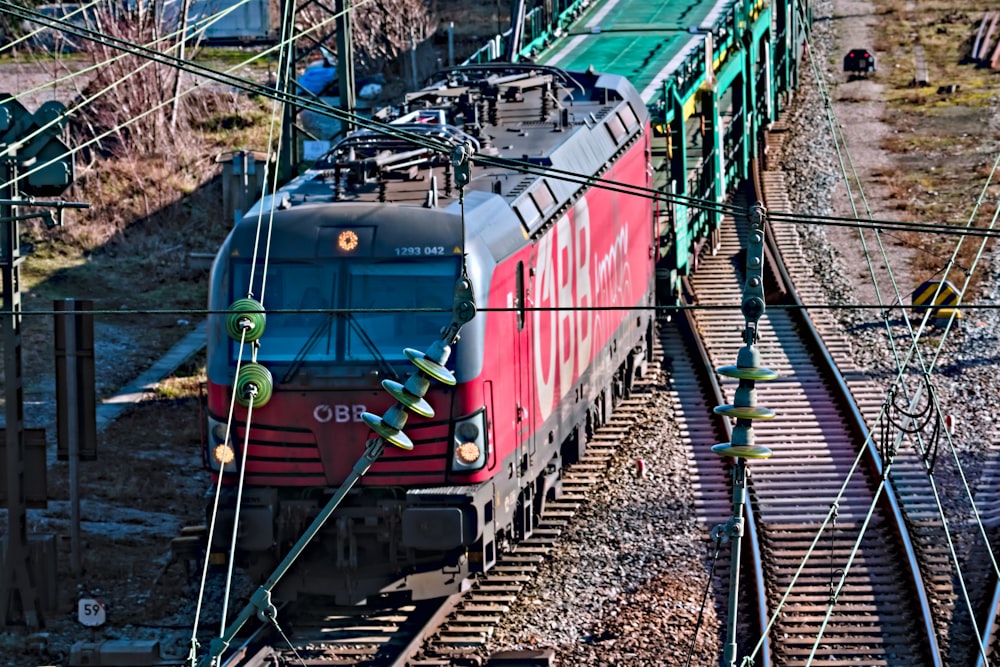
x=381 y=539
x=420 y=543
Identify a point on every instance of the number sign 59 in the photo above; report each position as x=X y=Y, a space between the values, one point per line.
x=91 y=612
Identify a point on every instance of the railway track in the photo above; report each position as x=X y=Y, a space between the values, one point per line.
x=877 y=617
x=908 y=471
x=839 y=572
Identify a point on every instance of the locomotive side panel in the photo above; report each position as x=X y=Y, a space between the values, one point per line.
x=586 y=287
x=591 y=268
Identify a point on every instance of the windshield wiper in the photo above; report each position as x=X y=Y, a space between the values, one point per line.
x=370 y=344
x=323 y=328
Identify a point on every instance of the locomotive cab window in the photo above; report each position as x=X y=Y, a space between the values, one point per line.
x=295 y=294
x=351 y=311
x=527 y=211
x=425 y=288
x=543 y=198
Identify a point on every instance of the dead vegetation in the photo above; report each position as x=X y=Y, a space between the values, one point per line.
x=383 y=30
x=943 y=142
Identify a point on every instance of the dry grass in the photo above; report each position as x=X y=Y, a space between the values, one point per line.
x=943 y=145
x=184 y=382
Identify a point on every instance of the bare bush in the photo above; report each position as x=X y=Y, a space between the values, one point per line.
x=131 y=100
x=382 y=29
x=165 y=196
x=146 y=155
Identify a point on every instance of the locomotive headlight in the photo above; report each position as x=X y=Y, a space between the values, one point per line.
x=467 y=453
x=467 y=432
x=470 y=443
x=224 y=454
x=221 y=454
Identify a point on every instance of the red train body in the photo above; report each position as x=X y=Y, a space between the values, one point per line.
x=563 y=278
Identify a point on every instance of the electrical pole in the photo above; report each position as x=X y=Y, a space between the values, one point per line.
x=345 y=59
x=30 y=143
x=288 y=151
x=17 y=582
x=745 y=410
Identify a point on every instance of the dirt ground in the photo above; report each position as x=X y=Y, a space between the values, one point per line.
x=912 y=151
x=862 y=101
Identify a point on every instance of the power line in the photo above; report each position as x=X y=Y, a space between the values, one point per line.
x=317 y=106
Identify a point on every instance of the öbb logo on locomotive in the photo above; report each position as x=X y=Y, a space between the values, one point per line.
x=567 y=280
x=339 y=413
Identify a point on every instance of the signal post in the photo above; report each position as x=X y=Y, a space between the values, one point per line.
x=33 y=162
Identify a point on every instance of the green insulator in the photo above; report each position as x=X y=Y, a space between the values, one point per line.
x=395 y=417
x=745 y=411
x=245 y=315
x=747 y=373
x=429 y=366
x=438 y=352
x=386 y=431
x=742 y=451
x=748 y=357
x=417 y=384
x=743 y=434
x=254 y=385
x=746 y=393
x=415 y=403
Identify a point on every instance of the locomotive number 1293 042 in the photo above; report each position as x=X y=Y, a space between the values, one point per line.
x=417 y=251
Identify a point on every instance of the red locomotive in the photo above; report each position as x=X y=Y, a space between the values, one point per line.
x=358 y=258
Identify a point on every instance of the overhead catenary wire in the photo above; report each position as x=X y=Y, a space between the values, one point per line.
x=31 y=34
x=193 y=651
x=198 y=26
x=320 y=108
x=213 y=519
x=226 y=77
x=288 y=38
x=933 y=398
x=841 y=150
x=667 y=309
x=311 y=104
x=926 y=369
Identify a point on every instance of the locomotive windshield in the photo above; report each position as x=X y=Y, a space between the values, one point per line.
x=350 y=312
